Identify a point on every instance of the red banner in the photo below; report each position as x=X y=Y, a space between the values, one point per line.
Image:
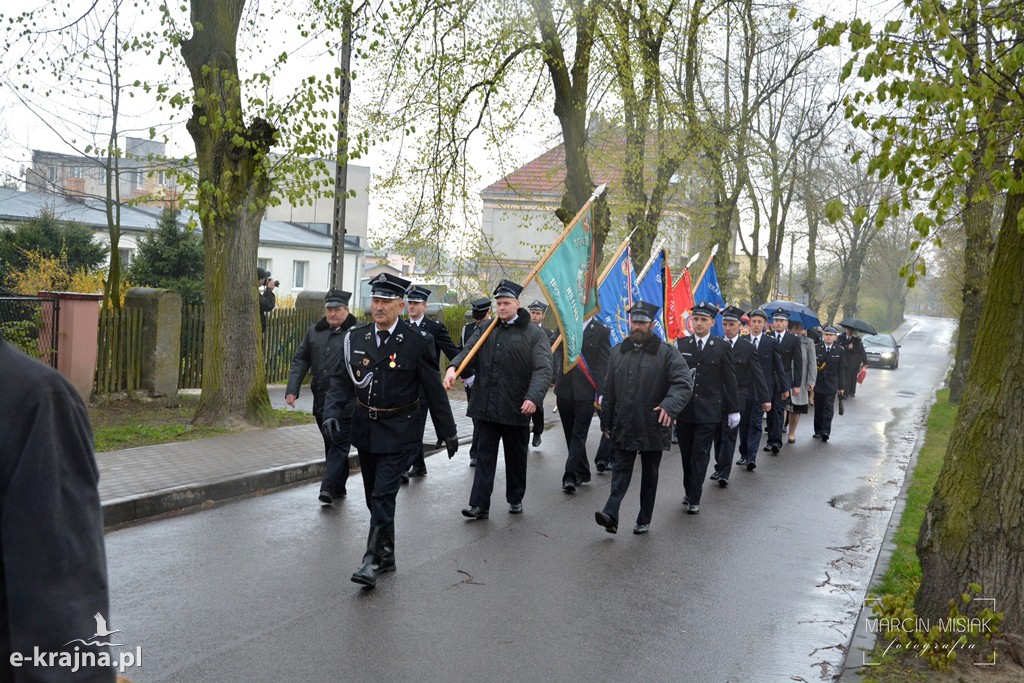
x=680 y=301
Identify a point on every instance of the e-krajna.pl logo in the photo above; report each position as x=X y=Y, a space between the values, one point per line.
x=79 y=658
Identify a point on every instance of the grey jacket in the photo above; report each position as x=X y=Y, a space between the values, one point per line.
x=639 y=380
x=513 y=365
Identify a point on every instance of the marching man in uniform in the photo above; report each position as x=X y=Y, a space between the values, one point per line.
x=386 y=366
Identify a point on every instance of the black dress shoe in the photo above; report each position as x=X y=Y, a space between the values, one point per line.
x=824 y=438
x=515 y=509
x=816 y=435
x=601 y=467
x=641 y=528
x=568 y=487
x=723 y=482
x=775 y=448
x=741 y=461
x=472 y=462
x=751 y=466
x=686 y=500
x=417 y=471
x=404 y=477
x=326 y=499
x=714 y=477
x=693 y=509
x=475 y=513
x=536 y=440
x=767 y=448
x=609 y=524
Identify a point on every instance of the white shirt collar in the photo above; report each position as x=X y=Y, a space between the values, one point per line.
x=416 y=322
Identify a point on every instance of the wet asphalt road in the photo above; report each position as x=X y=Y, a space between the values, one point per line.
x=764 y=585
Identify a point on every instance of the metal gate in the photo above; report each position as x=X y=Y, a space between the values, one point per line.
x=31 y=324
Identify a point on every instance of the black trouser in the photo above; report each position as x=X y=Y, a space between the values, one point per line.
x=335 y=453
x=604 y=451
x=695 y=448
x=750 y=430
x=516 y=440
x=775 y=417
x=849 y=379
x=824 y=407
x=381 y=481
x=416 y=460
x=725 y=446
x=538 y=419
x=575 y=417
x=622 y=474
x=474 y=446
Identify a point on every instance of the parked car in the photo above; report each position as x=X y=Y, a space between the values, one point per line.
x=882 y=350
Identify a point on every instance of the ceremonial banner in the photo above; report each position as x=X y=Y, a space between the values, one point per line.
x=651 y=288
x=707 y=290
x=679 y=304
x=569 y=280
x=616 y=294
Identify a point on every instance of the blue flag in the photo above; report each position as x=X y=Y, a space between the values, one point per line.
x=708 y=291
x=616 y=294
x=651 y=289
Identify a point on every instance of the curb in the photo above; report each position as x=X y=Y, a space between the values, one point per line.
x=189 y=497
x=862 y=640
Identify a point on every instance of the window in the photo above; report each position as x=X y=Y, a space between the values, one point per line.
x=53 y=174
x=77 y=172
x=126 y=256
x=265 y=264
x=301 y=274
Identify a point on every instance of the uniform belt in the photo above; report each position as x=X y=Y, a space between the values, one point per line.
x=379 y=413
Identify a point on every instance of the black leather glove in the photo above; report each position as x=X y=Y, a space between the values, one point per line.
x=452 y=444
x=332 y=429
x=440 y=441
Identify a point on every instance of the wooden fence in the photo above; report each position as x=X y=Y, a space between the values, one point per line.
x=119 y=352
x=285 y=329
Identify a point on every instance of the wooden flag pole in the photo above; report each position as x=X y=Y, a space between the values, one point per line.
x=685 y=269
x=598 y=191
x=650 y=261
x=695 y=285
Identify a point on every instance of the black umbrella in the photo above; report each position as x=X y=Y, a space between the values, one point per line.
x=858 y=324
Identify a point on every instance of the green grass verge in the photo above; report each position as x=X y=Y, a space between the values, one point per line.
x=903 y=575
x=128 y=424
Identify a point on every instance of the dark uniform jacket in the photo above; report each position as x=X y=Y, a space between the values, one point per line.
x=641 y=378
x=467 y=333
x=714 y=381
x=442 y=340
x=597 y=347
x=854 y=354
x=53 y=568
x=775 y=375
x=513 y=365
x=830 y=368
x=400 y=368
x=750 y=382
x=321 y=350
x=792 y=360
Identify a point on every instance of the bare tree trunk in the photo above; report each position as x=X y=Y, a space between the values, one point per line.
x=233 y=190
x=972 y=532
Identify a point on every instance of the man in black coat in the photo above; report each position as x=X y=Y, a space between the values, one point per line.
x=416 y=303
x=647 y=384
x=854 y=359
x=576 y=393
x=387 y=369
x=512 y=373
x=538 y=311
x=775 y=378
x=831 y=363
x=751 y=391
x=268 y=300
x=792 y=362
x=320 y=352
x=53 y=566
x=480 y=311
x=714 y=394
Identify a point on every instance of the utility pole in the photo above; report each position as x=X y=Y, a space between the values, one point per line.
x=789 y=287
x=341 y=165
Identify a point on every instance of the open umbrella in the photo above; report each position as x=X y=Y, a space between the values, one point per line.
x=806 y=315
x=858 y=324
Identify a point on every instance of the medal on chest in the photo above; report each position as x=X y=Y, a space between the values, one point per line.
x=392 y=364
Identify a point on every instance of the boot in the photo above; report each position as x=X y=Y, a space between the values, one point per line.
x=367 y=573
x=387 y=553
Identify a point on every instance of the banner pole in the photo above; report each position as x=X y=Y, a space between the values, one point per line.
x=695 y=285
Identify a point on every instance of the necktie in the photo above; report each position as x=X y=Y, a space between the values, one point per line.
x=382 y=336
x=778 y=337
x=732 y=342
x=757 y=340
x=700 y=345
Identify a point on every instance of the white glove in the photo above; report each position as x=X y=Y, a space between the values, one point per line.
x=734 y=420
x=469 y=381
